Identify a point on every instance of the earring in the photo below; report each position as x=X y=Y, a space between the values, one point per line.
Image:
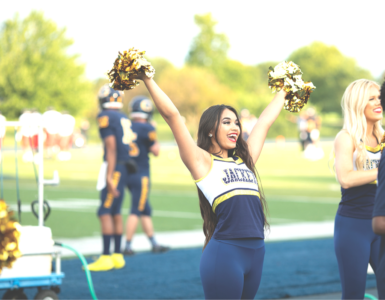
x=210 y=135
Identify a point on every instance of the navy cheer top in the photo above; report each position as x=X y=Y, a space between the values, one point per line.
x=232 y=191
x=358 y=201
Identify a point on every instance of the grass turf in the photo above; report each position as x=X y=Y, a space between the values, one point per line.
x=296 y=189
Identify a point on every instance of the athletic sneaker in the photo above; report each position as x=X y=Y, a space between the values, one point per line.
x=160 y=249
x=104 y=263
x=118 y=260
x=128 y=252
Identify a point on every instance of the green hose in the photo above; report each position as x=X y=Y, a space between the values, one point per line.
x=371 y=297
x=84 y=263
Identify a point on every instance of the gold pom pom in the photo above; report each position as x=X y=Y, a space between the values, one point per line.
x=126 y=66
x=288 y=76
x=9 y=237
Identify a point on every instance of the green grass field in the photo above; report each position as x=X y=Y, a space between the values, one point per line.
x=296 y=189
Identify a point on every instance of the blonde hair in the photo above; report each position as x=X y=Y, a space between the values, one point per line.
x=353 y=103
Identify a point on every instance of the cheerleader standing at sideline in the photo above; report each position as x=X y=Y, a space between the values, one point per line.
x=231 y=201
x=358 y=152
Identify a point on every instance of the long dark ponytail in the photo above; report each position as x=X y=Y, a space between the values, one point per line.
x=210 y=120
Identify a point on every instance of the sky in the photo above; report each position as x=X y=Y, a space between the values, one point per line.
x=258 y=31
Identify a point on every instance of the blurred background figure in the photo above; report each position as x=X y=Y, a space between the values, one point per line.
x=24 y=135
x=78 y=138
x=248 y=122
x=84 y=127
x=302 y=128
x=51 y=119
x=36 y=120
x=65 y=132
x=139 y=183
x=313 y=150
x=28 y=133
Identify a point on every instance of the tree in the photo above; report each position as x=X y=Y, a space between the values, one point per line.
x=330 y=71
x=194 y=89
x=208 y=49
x=36 y=70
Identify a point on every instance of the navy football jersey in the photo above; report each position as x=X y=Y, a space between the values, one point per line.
x=140 y=147
x=114 y=122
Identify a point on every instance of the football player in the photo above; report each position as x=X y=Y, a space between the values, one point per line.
x=116 y=134
x=142 y=145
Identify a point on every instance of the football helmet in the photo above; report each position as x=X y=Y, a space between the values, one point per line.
x=141 y=107
x=110 y=98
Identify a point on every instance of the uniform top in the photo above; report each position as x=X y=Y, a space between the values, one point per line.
x=113 y=122
x=232 y=191
x=379 y=210
x=358 y=201
x=144 y=138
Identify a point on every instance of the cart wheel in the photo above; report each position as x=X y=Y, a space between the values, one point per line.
x=15 y=294
x=46 y=295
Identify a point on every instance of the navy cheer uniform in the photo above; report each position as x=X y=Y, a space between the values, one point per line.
x=379 y=210
x=231 y=264
x=113 y=122
x=139 y=182
x=355 y=243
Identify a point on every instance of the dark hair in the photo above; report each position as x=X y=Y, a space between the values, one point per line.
x=210 y=121
x=382 y=95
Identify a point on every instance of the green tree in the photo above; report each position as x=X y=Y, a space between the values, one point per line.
x=194 y=89
x=208 y=49
x=330 y=71
x=247 y=84
x=36 y=70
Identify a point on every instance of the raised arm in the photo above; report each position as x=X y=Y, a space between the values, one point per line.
x=269 y=115
x=346 y=175
x=196 y=160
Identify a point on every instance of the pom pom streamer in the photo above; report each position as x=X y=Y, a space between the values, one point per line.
x=288 y=76
x=9 y=237
x=126 y=66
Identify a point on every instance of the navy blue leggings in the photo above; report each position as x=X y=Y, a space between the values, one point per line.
x=356 y=245
x=232 y=269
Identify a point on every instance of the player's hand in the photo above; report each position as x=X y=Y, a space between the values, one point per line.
x=112 y=189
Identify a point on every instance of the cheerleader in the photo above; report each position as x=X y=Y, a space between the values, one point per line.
x=230 y=195
x=358 y=152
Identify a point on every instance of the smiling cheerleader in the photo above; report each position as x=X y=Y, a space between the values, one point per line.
x=231 y=199
x=358 y=152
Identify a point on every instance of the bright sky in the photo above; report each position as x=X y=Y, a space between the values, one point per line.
x=258 y=30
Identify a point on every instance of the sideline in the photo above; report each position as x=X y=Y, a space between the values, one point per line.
x=90 y=205
x=195 y=238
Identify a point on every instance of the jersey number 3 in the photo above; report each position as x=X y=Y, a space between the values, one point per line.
x=129 y=137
